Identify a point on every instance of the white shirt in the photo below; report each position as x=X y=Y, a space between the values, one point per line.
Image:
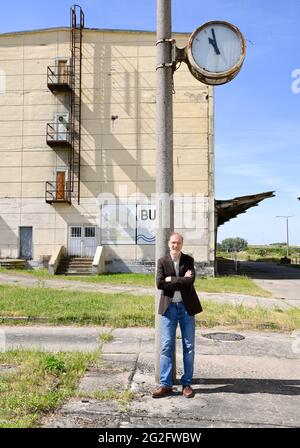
x=177 y=295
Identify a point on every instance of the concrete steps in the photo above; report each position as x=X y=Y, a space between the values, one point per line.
x=9 y=263
x=75 y=266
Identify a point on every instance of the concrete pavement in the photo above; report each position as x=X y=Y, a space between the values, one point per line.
x=282 y=281
x=253 y=382
x=249 y=382
x=51 y=339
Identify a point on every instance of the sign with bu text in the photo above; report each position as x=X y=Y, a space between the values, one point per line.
x=146 y=216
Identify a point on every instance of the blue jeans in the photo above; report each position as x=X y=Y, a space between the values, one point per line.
x=175 y=313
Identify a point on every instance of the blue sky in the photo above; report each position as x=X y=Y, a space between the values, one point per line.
x=257 y=115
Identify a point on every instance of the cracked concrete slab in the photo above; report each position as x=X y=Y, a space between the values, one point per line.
x=120 y=346
x=96 y=380
x=252 y=382
x=255 y=343
x=141 y=333
x=124 y=360
x=141 y=422
x=78 y=413
x=230 y=391
x=53 y=339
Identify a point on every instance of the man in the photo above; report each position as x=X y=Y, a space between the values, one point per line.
x=178 y=303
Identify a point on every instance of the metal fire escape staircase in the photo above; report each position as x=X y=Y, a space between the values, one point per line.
x=77 y=25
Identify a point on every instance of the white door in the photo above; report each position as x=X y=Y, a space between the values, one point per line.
x=82 y=241
x=61 y=126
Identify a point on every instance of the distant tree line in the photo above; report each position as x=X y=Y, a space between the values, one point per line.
x=232 y=245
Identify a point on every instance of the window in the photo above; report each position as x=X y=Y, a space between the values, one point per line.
x=89 y=232
x=75 y=232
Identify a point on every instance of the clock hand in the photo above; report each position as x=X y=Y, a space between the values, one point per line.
x=213 y=41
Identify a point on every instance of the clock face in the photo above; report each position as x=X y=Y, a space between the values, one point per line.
x=216 y=48
x=215 y=52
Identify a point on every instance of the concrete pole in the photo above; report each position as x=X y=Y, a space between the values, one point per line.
x=164 y=148
x=287 y=231
x=287 y=237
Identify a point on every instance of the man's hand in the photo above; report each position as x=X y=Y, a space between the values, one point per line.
x=188 y=274
x=168 y=279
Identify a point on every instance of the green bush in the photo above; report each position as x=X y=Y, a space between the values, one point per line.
x=53 y=364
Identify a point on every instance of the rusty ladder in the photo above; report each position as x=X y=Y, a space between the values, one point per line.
x=76 y=25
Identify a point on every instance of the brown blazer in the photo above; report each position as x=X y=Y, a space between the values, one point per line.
x=185 y=285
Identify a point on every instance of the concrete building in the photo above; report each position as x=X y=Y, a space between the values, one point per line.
x=70 y=137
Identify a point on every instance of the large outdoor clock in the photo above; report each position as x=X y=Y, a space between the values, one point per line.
x=215 y=52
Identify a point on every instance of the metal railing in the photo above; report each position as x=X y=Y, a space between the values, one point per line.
x=55 y=192
x=56 y=136
x=59 y=79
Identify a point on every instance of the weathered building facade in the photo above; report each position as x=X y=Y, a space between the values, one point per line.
x=51 y=195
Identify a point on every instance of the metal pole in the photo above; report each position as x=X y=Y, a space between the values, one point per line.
x=287 y=231
x=287 y=237
x=164 y=148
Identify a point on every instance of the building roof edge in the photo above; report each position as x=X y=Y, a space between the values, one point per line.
x=65 y=28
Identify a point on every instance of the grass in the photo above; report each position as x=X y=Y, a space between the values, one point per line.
x=35 y=272
x=40 y=384
x=111 y=394
x=241 y=317
x=267 y=252
x=106 y=337
x=237 y=284
x=65 y=307
x=117 y=279
x=124 y=310
x=227 y=284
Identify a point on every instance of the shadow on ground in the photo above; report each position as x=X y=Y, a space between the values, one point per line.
x=257 y=269
x=246 y=386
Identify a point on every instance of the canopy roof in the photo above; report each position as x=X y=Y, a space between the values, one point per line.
x=231 y=208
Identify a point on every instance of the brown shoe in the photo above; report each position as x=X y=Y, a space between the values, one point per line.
x=187 y=391
x=161 y=391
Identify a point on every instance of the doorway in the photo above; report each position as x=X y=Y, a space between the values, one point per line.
x=25 y=243
x=62 y=71
x=60 y=185
x=82 y=241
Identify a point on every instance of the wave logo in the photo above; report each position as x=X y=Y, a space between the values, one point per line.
x=2 y=81
x=146 y=239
